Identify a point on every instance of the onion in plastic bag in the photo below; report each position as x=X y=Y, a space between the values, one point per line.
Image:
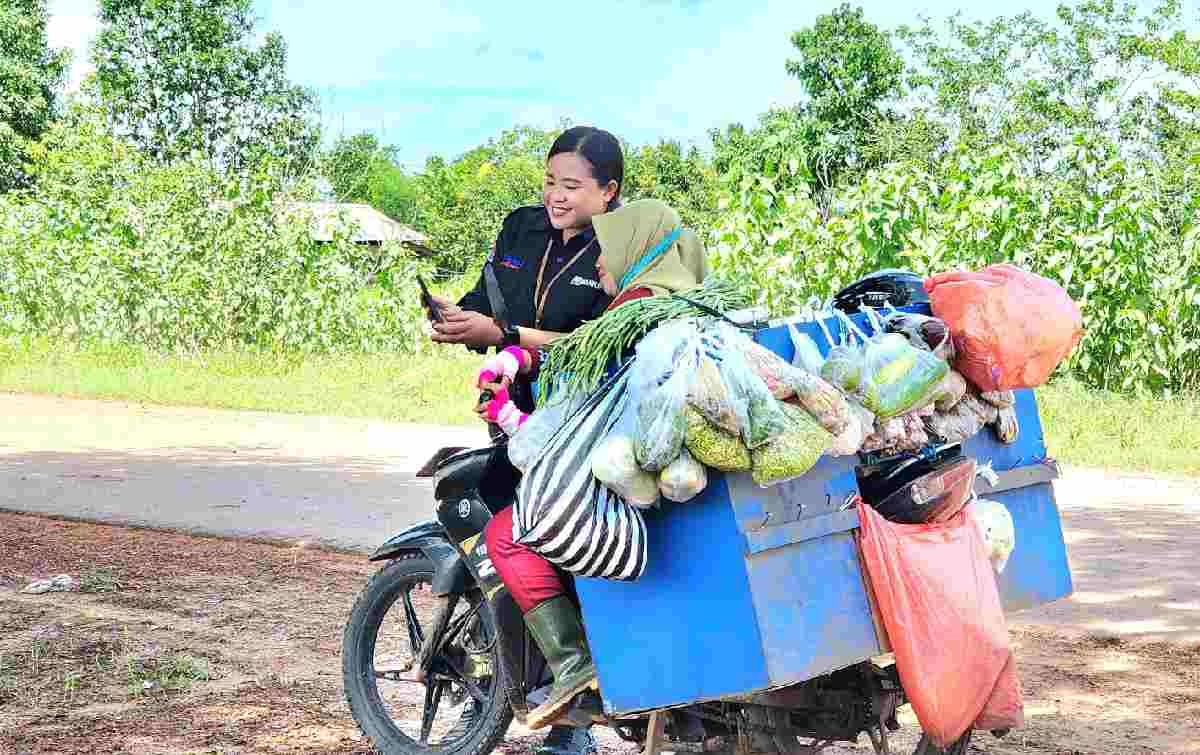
x=964 y=420
x=683 y=479
x=613 y=464
x=951 y=391
x=999 y=399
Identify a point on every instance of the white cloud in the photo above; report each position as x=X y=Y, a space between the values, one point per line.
x=73 y=26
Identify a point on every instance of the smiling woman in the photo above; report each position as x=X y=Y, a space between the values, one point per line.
x=545 y=260
x=542 y=281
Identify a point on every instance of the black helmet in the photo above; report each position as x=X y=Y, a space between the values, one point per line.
x=896 y=287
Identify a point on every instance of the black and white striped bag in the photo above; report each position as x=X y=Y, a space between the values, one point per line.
x=566 y=514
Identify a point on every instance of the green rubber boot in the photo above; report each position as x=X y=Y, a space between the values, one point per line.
x=558 y=630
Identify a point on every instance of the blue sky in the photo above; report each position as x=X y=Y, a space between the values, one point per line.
x=440 y=77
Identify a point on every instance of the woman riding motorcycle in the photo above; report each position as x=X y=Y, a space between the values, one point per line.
x=544 y=268
x=645 y=252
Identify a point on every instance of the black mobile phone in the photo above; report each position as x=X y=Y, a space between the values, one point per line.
x=431 y=306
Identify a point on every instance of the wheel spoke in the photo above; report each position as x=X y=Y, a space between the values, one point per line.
x=433 y=698
x=415 y=637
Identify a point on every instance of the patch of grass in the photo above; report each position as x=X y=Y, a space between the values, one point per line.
x=100 y=581
x=1105 y=430
x=430 y=387
x=175 y=673
x=1083 y=427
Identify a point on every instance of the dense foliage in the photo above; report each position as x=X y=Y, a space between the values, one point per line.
x=181 y=78
x=1069 y=145
x=30 y=75
x=112 y=245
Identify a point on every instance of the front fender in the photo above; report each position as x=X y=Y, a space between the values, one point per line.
x=429 y=539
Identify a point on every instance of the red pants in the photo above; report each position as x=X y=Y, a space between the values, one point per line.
x=531 y=579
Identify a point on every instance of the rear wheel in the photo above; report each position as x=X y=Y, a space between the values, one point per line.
x=461 y=707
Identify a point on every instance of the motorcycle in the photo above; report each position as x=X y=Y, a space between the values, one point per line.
x=437 y=659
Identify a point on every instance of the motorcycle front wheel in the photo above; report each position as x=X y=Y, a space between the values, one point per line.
x=460 y=708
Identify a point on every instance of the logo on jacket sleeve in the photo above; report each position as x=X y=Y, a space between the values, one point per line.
x=512 y=263
x=579 y=280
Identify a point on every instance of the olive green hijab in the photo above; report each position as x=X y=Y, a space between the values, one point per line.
x=632 y=231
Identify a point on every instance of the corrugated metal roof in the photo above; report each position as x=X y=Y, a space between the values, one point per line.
x=372 y=225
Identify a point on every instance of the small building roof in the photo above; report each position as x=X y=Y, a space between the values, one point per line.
x=372 y=225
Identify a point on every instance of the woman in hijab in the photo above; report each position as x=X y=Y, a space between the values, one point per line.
x=645 y=252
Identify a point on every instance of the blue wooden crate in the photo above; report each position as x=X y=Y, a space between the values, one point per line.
x=750 y=588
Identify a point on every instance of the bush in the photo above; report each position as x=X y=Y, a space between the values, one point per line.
x=112 y=247
x=1096 y=224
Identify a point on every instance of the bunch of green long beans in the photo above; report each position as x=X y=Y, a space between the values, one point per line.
x=577 y=363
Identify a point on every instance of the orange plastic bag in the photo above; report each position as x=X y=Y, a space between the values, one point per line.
x=1011 y=328
x=939 y=602
x=1005 y=709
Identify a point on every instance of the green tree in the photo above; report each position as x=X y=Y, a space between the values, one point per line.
x=464 y=201
x=181 y=77
x=1102 y=67
x=360 y=169
x=849 y=72
x=30 y=77
x=684 y=180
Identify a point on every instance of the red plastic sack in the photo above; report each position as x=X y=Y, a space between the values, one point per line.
x=937 y=596
x=1011 y=328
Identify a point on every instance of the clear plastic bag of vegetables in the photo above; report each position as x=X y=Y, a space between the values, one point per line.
x=531 y=439
x=925 y=332
x=772 y=368
x=843 y=367
x=825 y=403
x=661 y=425
x=844 y=363
x=657 y=355
x=786 y=382
x=711 y=397
x=660 y=379
x=713 y=446
x=683 y=479
x=614 y=464
x=761 y=416
x=898 y=377
x=792 y=453
x=964 y=420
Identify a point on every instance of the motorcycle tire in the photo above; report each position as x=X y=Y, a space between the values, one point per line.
x=479 y=733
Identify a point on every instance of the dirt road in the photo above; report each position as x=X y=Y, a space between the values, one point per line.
x=349 y=484
x=249 y=633
x=223 y=647
x=340 y=482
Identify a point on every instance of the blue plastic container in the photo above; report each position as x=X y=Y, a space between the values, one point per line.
x=750 y=588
